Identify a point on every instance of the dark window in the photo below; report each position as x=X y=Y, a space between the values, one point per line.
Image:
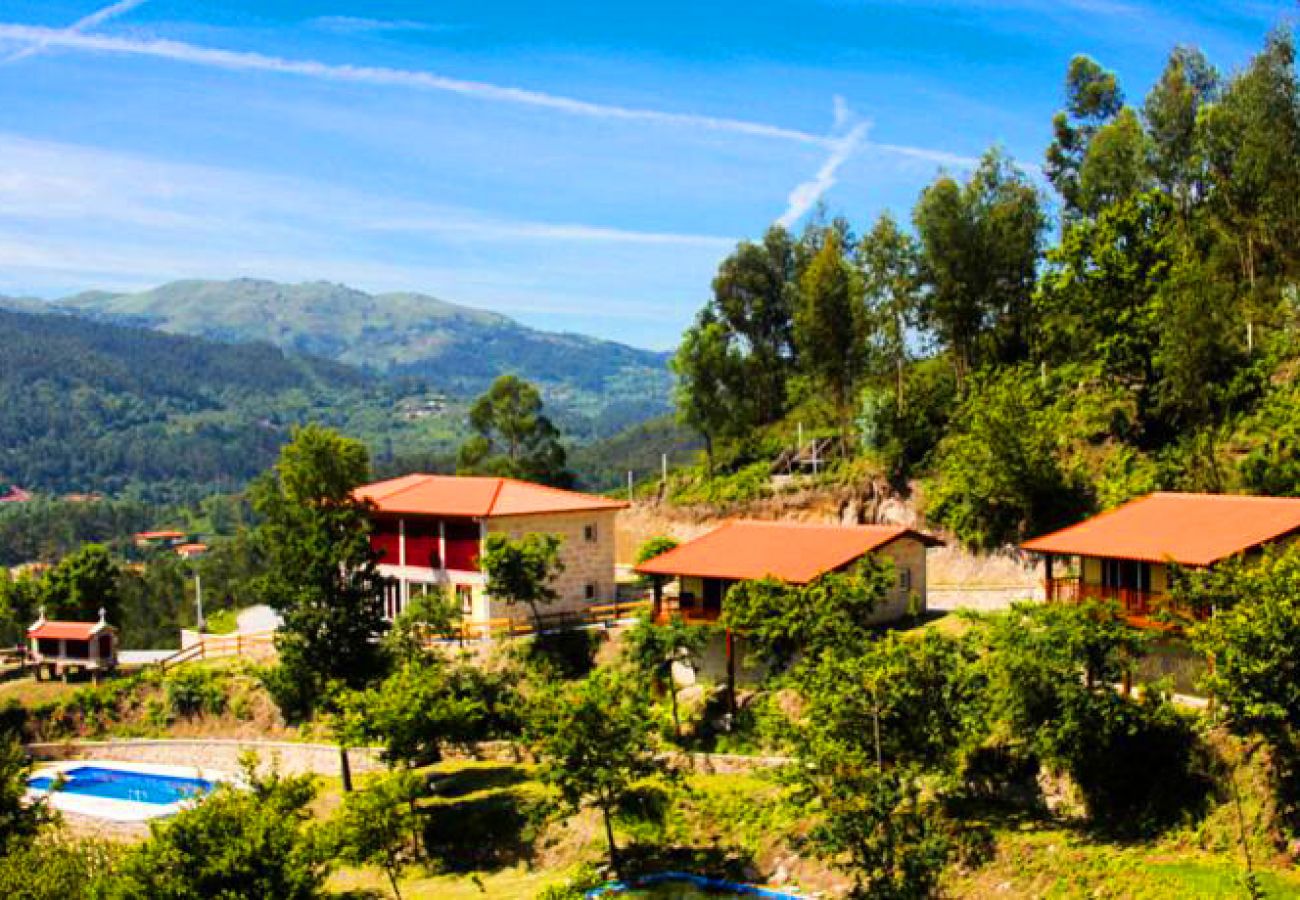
x=105 y=646
x=76 y=649
x=1126 y=573
x=47 y=646
x=589 y=534
x=591 y=590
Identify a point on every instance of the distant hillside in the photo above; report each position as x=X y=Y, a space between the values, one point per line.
x=593 y=386
x=92 y=406
x=603 y=465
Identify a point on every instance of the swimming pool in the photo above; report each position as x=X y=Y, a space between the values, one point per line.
x=118 y=784
x=684 y=886
x=127 y=792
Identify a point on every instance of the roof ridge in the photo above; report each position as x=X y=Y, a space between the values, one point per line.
x=496 y=493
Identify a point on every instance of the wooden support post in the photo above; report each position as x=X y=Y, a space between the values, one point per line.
x=658 y=593
x=731 y=675
x=345 y=769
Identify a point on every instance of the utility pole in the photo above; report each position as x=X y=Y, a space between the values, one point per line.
x=629 y=485
x=198 y=599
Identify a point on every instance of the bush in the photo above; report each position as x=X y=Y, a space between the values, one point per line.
x=194 y=691
x=236 y=843
x=56 y=869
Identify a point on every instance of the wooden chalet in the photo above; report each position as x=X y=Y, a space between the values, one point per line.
x=1125 y=554
x=796 y=553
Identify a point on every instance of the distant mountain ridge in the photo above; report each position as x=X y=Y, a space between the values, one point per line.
x=399 y=334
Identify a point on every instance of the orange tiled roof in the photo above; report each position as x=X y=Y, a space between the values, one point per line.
x=1189 y=529
x=158 y=535
x=742 y=550
x=476 y=497
x=68 y=631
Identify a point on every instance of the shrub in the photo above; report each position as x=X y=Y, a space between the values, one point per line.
x=194 y=691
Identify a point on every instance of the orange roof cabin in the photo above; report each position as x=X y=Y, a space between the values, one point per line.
x=742 y=550
x=59 y=647
x=429 y=531
x=1124 y=554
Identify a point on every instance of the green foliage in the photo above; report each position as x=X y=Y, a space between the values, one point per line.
x=514 y=438
x=830 y=614
x=424 y=705
x=427 y=617
x=652 y=650
x=81 y=585
x=321 y=573
x=520 y=570
x=830 y=325
x=594 y=741
x=998 y=473
x=1051 y=673
x=194 y=691
x=980 y=243
x=875 y=824
x=655 y=546
x=56 y=868
x=379 y=825
x=901 y=699
x=235 y=844
x=1251 y=640
x=20 y=821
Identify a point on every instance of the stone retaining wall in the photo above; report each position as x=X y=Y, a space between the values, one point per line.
x=323 y=759
x=223 y=755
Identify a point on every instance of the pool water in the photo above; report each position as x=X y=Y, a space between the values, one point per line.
x=683 y=886
x=116 y=784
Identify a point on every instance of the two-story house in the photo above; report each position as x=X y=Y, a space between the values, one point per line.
x=429 y=531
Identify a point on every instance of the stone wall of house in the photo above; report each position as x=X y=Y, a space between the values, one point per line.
x=586 y=562
x=908 y=555
x=217 y=755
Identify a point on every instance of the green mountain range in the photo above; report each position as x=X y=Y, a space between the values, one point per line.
x=89 y=406
x=594 y=386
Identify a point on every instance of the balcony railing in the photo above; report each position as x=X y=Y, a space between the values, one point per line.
x=692 y=612
x=1136 y=604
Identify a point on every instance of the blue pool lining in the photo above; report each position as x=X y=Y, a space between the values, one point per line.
x=715 y=884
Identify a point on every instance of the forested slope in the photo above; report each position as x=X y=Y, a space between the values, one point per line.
x=1032 y=357
x=88 y=406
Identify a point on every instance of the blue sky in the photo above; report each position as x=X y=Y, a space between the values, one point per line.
x=579 y=166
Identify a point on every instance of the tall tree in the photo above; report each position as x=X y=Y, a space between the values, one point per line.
x=1187 y=84
x=321 y=571
x=753 y=295
x=979 y=252
x=594 y=741
x=830 y=326
x=1092 y=98
x=82 y=584
x=1251 y=142
x=1115 y=167
x=888 y=260
x=708 y=370
x=514 y=437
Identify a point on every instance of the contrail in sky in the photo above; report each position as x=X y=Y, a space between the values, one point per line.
x=83 y=24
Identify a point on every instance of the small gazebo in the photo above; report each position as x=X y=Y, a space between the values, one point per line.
x=57 y=648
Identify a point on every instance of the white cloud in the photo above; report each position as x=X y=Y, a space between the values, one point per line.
x=806 y=194
x=85 y=23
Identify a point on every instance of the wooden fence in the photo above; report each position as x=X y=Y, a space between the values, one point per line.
x=601 y=614
x=260 y=643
